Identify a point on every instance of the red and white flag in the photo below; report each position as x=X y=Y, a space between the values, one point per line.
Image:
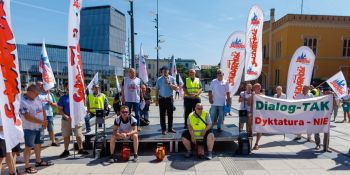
x=253 y=58
x=300 y=71
x=232 y=60
x=143 y=75
x=173 y=68
x=46 y=70
x=10 y=83
x=338 y=83
x=75 y=65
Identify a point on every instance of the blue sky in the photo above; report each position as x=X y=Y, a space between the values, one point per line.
x=192 y=29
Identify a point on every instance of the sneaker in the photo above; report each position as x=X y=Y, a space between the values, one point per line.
x=209 y=156
x=317 y=147
x=112 y=159
x=54 y=144
x=188 y=154
x=297 y=138
x=65 y=154
x=83 y=152
x=136 y=158
x=219 y=130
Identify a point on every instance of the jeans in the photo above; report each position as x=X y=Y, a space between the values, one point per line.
x=217 y=115
x=190 y=104
x=136 y=108
x=144 y=114
x=166 y=106
x=87 y=122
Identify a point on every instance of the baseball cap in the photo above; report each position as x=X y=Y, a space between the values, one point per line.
x=165 y=68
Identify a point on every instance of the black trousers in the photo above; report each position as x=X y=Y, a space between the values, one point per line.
x=166 y=105
x=190 y=104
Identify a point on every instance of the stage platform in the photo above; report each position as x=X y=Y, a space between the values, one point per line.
x=152 y=134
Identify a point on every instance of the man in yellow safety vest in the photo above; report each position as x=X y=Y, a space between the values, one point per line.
x=193 y=89
x=95 y=101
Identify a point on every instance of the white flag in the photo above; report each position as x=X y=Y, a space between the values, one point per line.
x=10 y=83
x=173 y=68
x=232 y=60
x=253 y=58
x=46 y=70
x=300 y=71
x=93 y=82
x=181 y=82
x=338 y=84
x=75 y=65
x=143 y=75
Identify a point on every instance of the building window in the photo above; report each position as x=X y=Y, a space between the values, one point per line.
x=186 y=65
x=149 y=66
x=278 y=49
x=312 y=43
x=277 y=77
x=264 y=52
x=137 y=66
x=346 y=48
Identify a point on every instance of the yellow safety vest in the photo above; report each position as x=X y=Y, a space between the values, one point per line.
x=96 y=102
x=317 y=93
x=197 y=124
x=192 y=86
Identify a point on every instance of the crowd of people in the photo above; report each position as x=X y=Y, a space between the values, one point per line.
x=131 y=105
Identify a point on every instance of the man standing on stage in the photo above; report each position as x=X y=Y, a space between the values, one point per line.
x=193 y=89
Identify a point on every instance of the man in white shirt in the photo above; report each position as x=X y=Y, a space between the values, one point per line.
x=305 y=94
x=219 y=94
x=34 y=121
x=244 y=108
x=279 y=93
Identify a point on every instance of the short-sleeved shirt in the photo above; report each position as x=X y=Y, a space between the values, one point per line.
x=45 y=98
x=163 y=87
x=35 y=109
x=283 y=96
x=132 y=89
x=346 y=97
x=207 y=119
x=219 y=90
x=125 y=126
x=64 y=103
x=244 y=104
x=302 y=96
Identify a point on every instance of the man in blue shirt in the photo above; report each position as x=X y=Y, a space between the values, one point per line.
x=63 y=108
x=165 y=86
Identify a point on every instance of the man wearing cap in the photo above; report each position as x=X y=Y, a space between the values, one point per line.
x=192 y=88
x=131 y=93
x=95 y=101
x=165 y=86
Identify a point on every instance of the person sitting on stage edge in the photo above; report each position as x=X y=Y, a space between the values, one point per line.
x=125 y=127
x=199 y=128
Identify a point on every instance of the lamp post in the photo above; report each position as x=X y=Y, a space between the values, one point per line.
x=157 y=27
x=131 y=13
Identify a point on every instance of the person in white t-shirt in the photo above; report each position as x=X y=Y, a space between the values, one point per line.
x=305 y=94
x=244 y=108
x=219 y=94
x=279 y=93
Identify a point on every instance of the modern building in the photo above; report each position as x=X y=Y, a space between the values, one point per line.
x=152 y=65
x=327 y=36
x=103 y=30
x=29 y=57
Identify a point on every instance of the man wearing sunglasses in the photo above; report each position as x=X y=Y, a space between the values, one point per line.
x=219 y=94
x=199 y=128
x=125 y=127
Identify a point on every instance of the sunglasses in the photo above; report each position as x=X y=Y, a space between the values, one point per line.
x=199 y=108
x=124 y=112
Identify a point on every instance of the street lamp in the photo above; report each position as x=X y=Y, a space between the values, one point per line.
x=157 y=48
x=131 y=13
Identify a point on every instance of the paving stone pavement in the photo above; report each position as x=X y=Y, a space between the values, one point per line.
x=278 y=155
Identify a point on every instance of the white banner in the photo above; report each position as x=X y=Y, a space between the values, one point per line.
x=10 y=83
x=93 y=82
x=75 y=65
x=143 y=74
x=338 y=84
x=273 y=115
x=46 y=70
x=300 y=71
x=232 y=60
x=253 y=58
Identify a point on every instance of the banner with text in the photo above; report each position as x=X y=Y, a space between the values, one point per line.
x=278 y=116
x=300 y=71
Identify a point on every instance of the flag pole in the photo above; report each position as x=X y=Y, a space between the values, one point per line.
x=73 y=143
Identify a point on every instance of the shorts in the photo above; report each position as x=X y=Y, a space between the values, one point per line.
x=346 y=106
x=3 y=148
x=67 y=129
x=50 y=123
x=186 y=134
x=32 y=137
